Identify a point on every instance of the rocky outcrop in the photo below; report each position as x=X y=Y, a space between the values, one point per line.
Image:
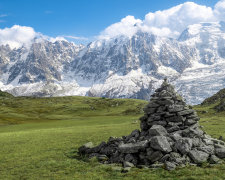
x=170 y=136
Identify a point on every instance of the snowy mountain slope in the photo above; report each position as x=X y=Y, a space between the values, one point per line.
x=42 y=61
x=121 y=67
x=205 y=77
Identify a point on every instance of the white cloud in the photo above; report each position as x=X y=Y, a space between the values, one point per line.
x=127 y=26
x=170 y=22
x=16 y=36
x=48 y=12
x=219 y=10
x=76 y=37
x=3 y=15
x=58 y=38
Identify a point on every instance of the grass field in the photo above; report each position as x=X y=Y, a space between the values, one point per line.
x=39 y=138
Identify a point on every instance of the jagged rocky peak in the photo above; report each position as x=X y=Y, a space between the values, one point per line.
x=170 y=136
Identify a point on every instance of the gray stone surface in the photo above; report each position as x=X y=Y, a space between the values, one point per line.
x=157 y=130
x=155 y=156
x=160 y=143
x=214 y=159
x=133 y=147
x=183 y=145
x=220 y=152
x=170 y=166
x=127 y=164
x=198 y=157
x=186 y=112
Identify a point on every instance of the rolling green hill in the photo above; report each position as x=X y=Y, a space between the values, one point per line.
x=39 y=138
x=17 y=110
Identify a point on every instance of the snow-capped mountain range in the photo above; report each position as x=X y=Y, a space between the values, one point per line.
x=120 y=67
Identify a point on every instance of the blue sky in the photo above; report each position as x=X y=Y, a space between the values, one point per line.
x=83 y=18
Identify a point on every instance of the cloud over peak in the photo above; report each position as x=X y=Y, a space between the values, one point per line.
x=170 y=22
x=17 y=36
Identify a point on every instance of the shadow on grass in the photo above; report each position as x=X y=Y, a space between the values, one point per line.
x=73 y=154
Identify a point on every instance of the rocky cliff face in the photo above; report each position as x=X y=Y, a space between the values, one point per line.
x=122 y=67
x=42 y=61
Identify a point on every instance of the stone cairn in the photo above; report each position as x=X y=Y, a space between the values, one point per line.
x=170 y=136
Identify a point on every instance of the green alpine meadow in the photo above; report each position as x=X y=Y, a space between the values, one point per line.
x=112 y=90
x=40 y=137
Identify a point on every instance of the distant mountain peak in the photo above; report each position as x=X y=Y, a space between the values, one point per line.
x=120 y=67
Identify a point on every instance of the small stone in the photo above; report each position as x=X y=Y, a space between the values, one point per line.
x=133 y=147
x=192 y=164
x=161 y=123
x=167 y=114
x=208 y=149
x=172 y=124
x=176 y=136
x=164 y=158
x=155 y=156
x=221 y=138
x=172 y=129
x=157 y=130
x=88 y=145
x=126 y=169
x=130 y=158
x=170 y=166
x=144 y=126
x=189 y=122
x=153 y=105
x=207 y=141
x=175 y=108
x=102 y=158
x=220 y=152
x=135 y=133
x=142 y=167
x=175 y=119
x=142 y=155
x=186 y=112
x=85 y=147
x=165 y=102
x=154 y=118
x=117 y=168
x=192 y=116
x=175 y=157
x=196 y=142
x=214 y=160
x=127 y=164
x=149 y=110
x=108 y=149
x=161 y=109
x=156 y=165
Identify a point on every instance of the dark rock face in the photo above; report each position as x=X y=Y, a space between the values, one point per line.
x=170 y=135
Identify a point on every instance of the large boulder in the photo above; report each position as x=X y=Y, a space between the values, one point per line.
x=198 y=157
x=160 y=143
x=157 y=130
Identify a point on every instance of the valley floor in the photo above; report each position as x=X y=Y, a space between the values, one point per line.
x=45 y=147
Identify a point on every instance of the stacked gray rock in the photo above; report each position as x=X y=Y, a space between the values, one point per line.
x=170 y=136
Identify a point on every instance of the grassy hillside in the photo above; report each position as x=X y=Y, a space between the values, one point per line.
x=17 y=110
x=220 y=95
x=39 y=138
